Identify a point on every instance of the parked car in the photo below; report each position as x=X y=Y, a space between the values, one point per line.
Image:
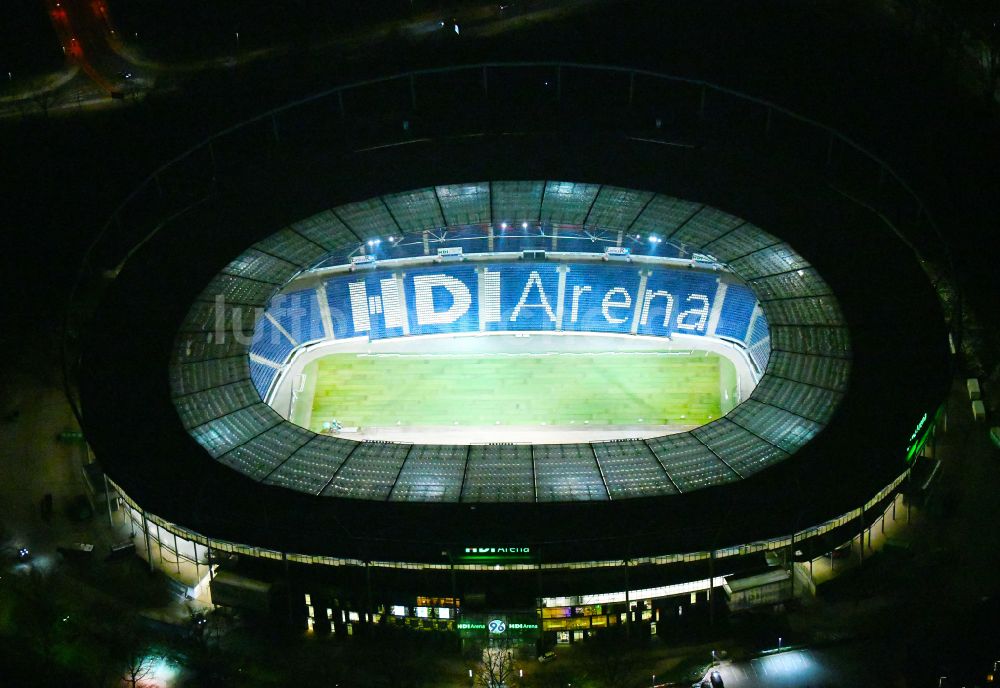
x=547 y=657
x=716 y=679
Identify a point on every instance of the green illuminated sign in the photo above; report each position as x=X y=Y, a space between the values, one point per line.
x=920 y=435
x=920 y=425
x=495 y=554
x=496 y=626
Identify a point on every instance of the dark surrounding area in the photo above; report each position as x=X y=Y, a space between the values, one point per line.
x=191 y=29
x=894 y=77
x=28 y=45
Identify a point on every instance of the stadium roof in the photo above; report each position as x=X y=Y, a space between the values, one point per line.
x=798 y=394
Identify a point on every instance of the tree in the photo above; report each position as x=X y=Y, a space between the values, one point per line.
x=128 y=646
x=138 y=666
x=497 y=664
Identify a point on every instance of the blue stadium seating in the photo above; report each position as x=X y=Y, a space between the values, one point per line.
x=587 y=307
x=298 y=312
x=759 y=342
x=268 y=342
x=597 y=296
x=262 y=376
x=442 y=297
x=679 y=300
x=528 y=296
x=737 y=309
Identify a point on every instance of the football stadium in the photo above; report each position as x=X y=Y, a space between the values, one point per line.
x=406 y=351
x=529 y=338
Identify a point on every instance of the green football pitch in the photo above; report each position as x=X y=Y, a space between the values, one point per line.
x=424 y=390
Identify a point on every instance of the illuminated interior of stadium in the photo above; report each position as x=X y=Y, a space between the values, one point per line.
x=448 y=279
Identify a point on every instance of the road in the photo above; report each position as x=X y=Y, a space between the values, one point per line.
x=98 y=59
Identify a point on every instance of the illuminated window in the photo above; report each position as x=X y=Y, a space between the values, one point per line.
x=443 y=613
x=308 y=598
x=421 y=612
x=353 y=616
x=398 y=610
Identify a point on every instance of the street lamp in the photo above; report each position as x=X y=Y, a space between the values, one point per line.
x=237 y=40
x=779 y=642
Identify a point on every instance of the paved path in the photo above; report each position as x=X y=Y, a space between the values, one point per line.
x=806 y=668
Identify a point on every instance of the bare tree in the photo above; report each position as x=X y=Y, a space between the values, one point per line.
x=497 y=665
x=129 y=647
x=138 y=666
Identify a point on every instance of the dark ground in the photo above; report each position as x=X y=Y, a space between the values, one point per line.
x=28 y=45
x=840 y=62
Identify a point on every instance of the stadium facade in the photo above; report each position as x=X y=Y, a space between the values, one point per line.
x=851 y=346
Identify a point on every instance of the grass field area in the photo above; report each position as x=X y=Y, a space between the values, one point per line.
x=647 y=388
